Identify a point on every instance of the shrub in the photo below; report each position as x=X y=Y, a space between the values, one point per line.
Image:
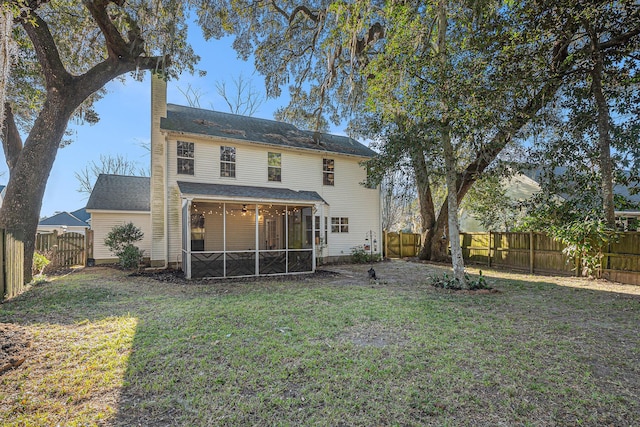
x=40 y=262
x=586 y=240
x=120 y=241
x=131 y=257
x=446 y=282
x=360 y=256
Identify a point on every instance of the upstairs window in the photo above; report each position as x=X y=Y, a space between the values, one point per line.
x=185 y=158
x=228 y=162
x=275 y=167
x=327 y=171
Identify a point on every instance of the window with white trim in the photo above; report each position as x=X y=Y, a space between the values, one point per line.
x=328 y=168
x=274 y=162
x=339 y=225
x=228 y=162
x=185 y=154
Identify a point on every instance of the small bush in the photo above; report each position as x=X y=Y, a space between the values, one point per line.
x=40 y=262
x=360 y=256
x=120 y=241
x=131 y=257
x=446 y=282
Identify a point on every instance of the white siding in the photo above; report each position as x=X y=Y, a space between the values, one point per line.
x=301 y=170
x=103 y=222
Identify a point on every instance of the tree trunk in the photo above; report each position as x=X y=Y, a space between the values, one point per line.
x=439 y=238
x=447 y=148
x=20 y=210
x=425 y=199
x=452 y=205
x=604 y=134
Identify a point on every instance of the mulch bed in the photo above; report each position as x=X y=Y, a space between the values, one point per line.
x=15 y=345
x=177 y=276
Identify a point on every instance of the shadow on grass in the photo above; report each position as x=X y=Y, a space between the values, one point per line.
x=322 y=352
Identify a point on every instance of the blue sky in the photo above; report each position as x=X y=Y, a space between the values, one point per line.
x=125 y=120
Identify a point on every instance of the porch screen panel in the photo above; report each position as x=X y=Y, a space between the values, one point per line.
x=207 y=264
x=241 y=227
x=300 y=226
x=272 y=224
x=298 y=223
x=185 y=238
x=273 y=262
x=214 y=226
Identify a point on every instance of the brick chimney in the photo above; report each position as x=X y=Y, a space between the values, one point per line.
x=159 y=256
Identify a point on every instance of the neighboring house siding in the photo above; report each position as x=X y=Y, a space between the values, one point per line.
x=60 y=230
x=301 y=170
x=103 y=222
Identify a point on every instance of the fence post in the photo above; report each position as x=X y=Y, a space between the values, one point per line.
x=531 y=252
x=88 y=245
x=400 y=234
x=54 y=249
x=489 y=251
x=386 y=243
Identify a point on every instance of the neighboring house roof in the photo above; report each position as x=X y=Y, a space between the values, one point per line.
x=618 y=189
x=120 y=193
x=2 y=188
x=215 y=123
x=82 y=214
x=63 y=219
x=247 y=192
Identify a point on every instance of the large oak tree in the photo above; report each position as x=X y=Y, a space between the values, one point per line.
x=524 y=53
x=66 y=52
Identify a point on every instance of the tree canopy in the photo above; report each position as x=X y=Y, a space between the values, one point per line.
x=65 y=52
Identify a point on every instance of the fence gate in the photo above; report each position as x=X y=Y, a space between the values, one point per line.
x=64 y=250
x=399 y=245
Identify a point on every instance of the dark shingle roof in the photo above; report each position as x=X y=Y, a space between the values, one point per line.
x=82 y=214
x=121 y=193
x=248 y=192
x=251 y=129
x=63 y=218
x=2 y=188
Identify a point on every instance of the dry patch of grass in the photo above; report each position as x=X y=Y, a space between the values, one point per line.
x=325 y=350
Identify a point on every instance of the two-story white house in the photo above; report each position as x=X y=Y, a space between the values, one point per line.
x=240 y=196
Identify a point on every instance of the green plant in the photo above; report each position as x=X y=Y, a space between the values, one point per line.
x=40 y=262
x=585 y=239
x=447 y=282
x=131 y=257
x=120 y=242
x=360 y=256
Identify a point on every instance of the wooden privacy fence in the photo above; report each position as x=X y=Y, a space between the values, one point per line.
x=539 y=253
x=66 y=249
x=11 y=266
x=400 y=245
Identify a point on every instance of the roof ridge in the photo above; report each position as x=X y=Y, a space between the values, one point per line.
x=125 y=176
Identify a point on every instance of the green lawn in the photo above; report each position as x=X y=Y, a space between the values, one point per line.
x=334 y=350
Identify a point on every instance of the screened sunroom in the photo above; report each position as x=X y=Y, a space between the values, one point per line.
x=236 y=231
